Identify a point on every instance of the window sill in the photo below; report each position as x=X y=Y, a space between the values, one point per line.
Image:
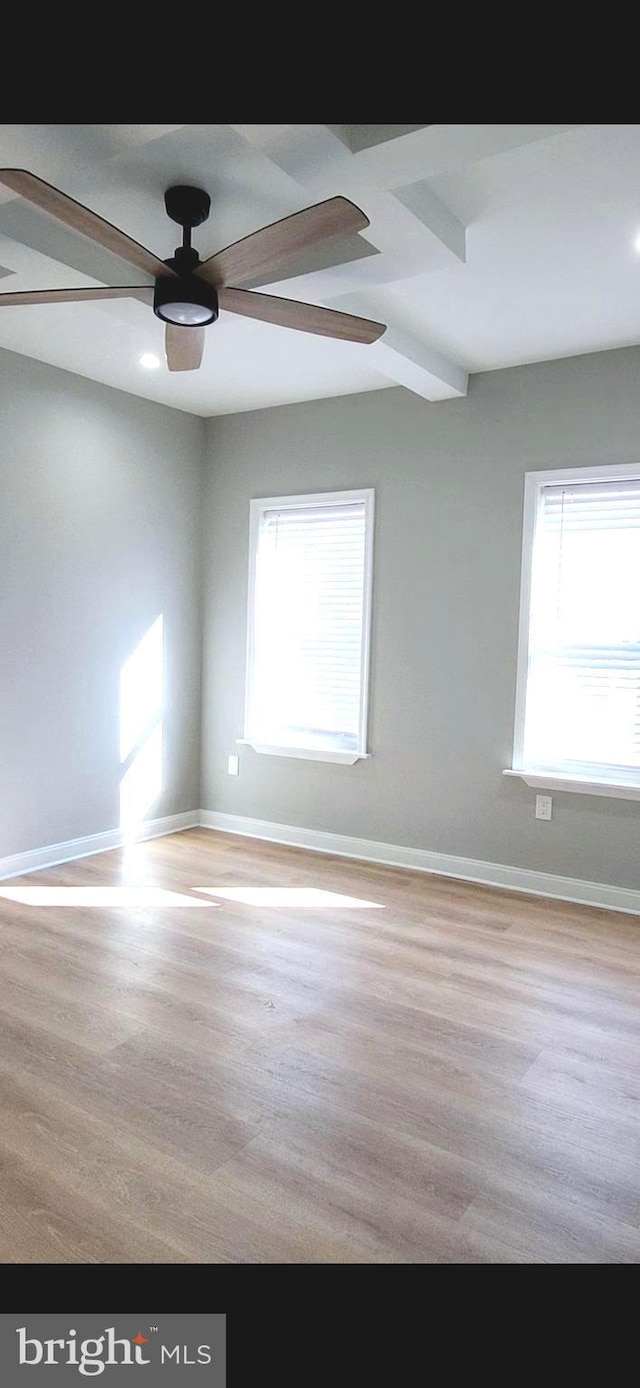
x=548 y=780
x=306 y=753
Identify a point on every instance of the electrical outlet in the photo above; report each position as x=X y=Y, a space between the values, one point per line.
x=233 y=766
x=543 y=806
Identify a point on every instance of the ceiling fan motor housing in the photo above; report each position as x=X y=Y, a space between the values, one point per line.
x=185 y=300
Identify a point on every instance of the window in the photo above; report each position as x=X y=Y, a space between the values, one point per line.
x=308 y=627
x=578 y=699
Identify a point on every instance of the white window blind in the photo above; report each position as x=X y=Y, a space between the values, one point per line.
x=583 y=672
x=308 y=623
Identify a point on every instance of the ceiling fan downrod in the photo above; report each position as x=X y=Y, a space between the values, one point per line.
x=187 y=301
x=189 y=207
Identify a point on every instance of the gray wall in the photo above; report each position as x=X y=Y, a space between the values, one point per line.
x=99 y=533
x=449 y=487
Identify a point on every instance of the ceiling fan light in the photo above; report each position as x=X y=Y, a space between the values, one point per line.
x=186 y=301
x=186 y=315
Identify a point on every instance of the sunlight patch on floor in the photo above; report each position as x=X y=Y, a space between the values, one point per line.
x=290 y=896
x=111 y=897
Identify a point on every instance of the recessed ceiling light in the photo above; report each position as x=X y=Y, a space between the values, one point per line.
x=149 y=360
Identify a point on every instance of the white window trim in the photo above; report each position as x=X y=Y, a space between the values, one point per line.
x=534 y=776
x=272 y=749
x=579 y=785
x=257 y=506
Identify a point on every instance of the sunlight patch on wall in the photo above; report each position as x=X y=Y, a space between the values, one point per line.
x=141 y=785
x=141 y=727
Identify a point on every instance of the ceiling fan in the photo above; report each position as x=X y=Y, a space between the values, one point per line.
x=188 y=292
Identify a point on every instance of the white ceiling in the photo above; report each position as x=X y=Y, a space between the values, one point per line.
x=489 y=246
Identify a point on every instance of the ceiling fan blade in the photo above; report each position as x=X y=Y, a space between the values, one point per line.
x=263 y=251
x=71 y=296
x=82 y=219
x=306 y=318
x=183 y=347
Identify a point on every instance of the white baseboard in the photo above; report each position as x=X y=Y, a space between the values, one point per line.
x=512 y=879
x=55 y=853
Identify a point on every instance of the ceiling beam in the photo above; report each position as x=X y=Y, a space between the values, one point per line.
x=440 y=149
x=406 y=359
x=417 y=366
x=62 y=153
x=357 y=137
x=420 y=199
x=316 y=159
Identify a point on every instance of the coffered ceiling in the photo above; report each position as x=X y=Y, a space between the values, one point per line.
x=489 y=246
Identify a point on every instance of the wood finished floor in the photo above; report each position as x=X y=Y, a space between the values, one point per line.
x=452 y=1078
